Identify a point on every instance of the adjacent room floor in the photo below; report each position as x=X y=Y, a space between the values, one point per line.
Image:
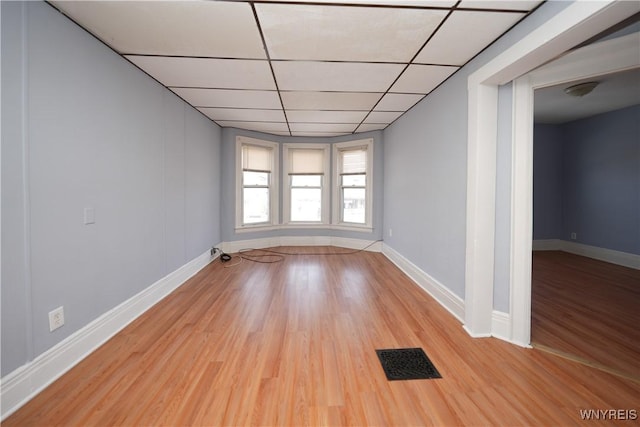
x=293 y=343
x=588 y=310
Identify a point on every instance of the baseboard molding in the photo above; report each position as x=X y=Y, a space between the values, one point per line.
x=608 y=255
x=270 y=242
x=21 y=385
x=547 y=245
x=450 y=301
x=501 y=325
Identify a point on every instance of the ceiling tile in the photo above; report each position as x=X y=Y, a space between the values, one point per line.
x=207 y=72
x=319 y=133
x=383 y=116
x=262 y=99
x=329 y=100
x=412 y=3
x=422 y=78
x=326 y=116
x=366 y=127
x=335 y=76
x=185 y=28
x=322 y=127
x=453 y=45
x=345 y=33
x=243 y=114
x=499 y=4
x=397 y=102
x=258 y=126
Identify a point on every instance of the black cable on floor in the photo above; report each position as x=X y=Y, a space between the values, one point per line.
x=277 y=256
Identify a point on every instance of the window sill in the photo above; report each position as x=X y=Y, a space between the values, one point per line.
x=308 y=226
x=256 y=228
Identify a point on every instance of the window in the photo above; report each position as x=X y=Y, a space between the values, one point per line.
x=257 y=188
x=352 y=195
x=305 y=171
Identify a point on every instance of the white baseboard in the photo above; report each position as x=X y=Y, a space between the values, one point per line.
x=501 y=325
x=21 y=385
x=450 y=301
x=547 y=245
x=608 y=255
x=269 y=242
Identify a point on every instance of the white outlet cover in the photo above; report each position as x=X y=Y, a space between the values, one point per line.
x=56 y=319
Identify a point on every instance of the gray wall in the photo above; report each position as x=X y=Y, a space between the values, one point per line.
x=587 y=180
x=547 y=181
x=81 y=127
x=425 y=174
x=229 y=192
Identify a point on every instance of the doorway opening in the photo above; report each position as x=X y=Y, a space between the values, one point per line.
x=586 y=221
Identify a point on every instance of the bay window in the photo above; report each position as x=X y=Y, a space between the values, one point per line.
x=306 y=171
x=352 y=194
x=257 y=189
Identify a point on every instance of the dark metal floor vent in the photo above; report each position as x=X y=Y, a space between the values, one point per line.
x=407 y=364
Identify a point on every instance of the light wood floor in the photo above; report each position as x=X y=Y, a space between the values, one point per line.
x=293 y=344
x=588 y=309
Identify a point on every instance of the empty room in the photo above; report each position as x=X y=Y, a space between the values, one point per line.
x=318 y=213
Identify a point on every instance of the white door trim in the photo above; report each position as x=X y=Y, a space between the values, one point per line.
x=597 y=59
x=574 y=24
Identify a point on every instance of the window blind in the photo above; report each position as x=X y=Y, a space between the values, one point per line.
x=353 y=161
x=256 y=158
x=306 y=161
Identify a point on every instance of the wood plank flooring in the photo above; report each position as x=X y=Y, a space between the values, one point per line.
x=587 y=309
x=293 y=344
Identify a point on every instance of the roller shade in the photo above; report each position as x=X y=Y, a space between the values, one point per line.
x=306 y=161
x=256 y=158
x=353 y=161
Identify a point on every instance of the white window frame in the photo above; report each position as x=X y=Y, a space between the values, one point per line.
x=326 y=185
x=336 y=202
x=274 y=185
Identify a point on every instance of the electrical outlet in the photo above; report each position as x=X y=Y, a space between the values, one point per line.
x=574 y=236
x=56 y=318
x=390 y=232
x=213 y=251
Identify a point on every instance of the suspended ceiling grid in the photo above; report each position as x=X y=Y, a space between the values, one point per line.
x=299 y=68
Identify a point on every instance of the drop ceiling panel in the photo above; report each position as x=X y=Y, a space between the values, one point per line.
x=323 y=127
x=465 y=34
x=328 y=65
x=394 y=3
x=207 y=72
x=366 y=127
x=243 y=114
x=335 y=76
x=383 y=116
x=319 y=133
x=499 y=4
x=345 y=33
x=329 y=100
x=397 y=102
x=261 y=99
x=185 y=28
x=259 y=126
x=422 y=78
x=326 y=116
